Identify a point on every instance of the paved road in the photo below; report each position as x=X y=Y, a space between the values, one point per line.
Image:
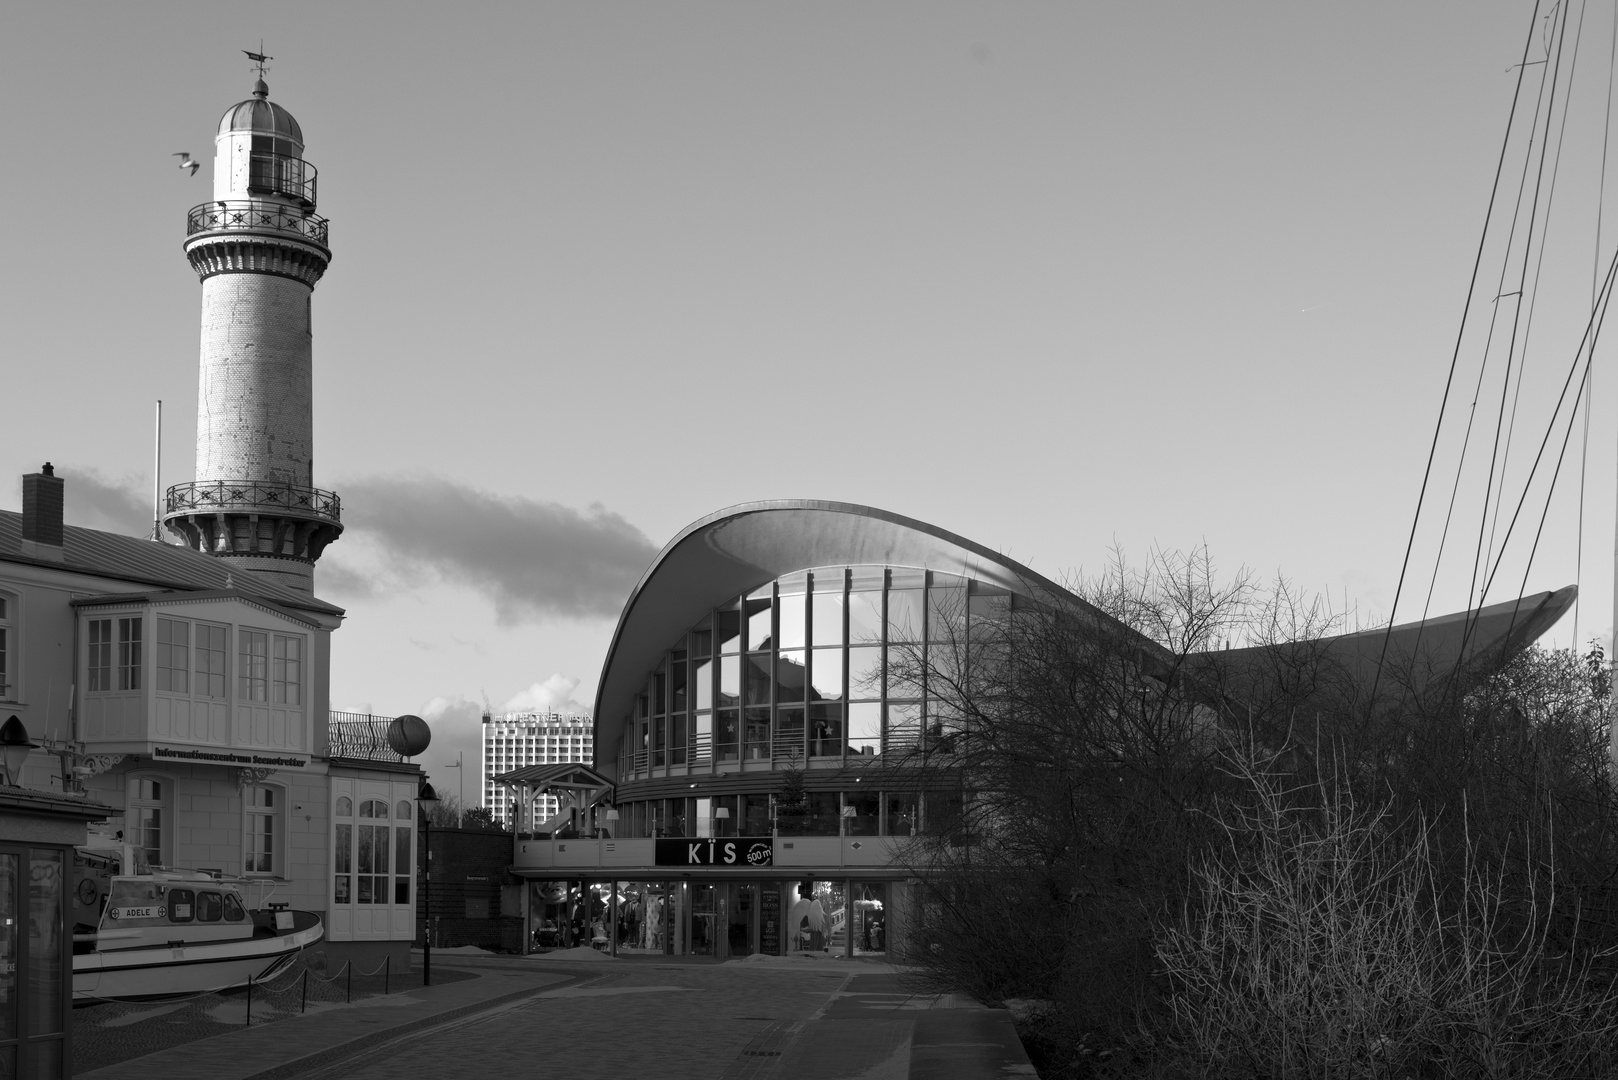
x=669 y=1021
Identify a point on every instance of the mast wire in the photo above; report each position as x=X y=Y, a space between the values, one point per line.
x=1455 y=355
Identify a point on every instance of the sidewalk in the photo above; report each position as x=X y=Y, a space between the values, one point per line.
x=814 y=1020
x=286 y=1047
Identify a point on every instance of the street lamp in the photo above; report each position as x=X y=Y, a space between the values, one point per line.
x=424 y=800
x=15 y=747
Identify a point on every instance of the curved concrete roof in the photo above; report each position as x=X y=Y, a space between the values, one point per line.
x=742 y=547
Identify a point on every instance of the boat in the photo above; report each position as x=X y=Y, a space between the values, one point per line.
x=166 y=933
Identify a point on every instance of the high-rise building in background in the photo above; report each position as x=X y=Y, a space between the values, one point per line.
x=513 y=740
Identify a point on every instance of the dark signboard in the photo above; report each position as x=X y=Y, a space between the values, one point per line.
x=769 y=921
x=737 y=851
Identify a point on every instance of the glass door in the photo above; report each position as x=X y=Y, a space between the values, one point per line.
x=703 y=920
x=10 y=958
x=34 y=975
x=741 y=919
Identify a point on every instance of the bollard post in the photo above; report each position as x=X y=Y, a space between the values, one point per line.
x=249 y=1002
x=350 y=966
x=387 y=969
x=303 y=1005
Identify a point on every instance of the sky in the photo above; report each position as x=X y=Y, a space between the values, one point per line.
x=1061 y=278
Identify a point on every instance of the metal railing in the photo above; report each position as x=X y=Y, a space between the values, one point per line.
x=360 y=736
x=278 y=174
x=249 y=215
x=225 y=496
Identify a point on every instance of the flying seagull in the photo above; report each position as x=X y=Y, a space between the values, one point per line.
x=187 y=163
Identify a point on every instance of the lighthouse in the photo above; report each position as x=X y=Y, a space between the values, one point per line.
x=259 y=248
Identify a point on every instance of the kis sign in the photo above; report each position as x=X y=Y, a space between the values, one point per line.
x=738 y=851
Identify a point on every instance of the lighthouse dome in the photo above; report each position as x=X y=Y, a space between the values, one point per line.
x=260 y=115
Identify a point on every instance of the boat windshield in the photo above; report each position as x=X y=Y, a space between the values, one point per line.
x=145 y=902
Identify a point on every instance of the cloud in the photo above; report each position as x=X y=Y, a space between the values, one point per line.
x=555 y=694
x=338 y=578
x=533 y=560
x=98 y=502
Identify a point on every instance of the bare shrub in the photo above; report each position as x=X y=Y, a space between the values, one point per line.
x=1317 y=942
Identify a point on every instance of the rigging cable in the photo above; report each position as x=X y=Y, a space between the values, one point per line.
x=1591 y=329
x=1595 y=271
x=1455 y=355
x=1532 y=293
x=1479 y=559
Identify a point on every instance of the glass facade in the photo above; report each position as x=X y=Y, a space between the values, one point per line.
x=821 y=665
x=723 y=919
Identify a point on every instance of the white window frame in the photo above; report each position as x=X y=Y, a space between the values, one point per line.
x=10 y=640
x=130 y=658
x=163 y=657
x=276 y=816
x=199 y=676
x=134 y=831
x=98 y=655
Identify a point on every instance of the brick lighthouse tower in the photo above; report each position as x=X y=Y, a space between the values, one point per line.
x=259 y=247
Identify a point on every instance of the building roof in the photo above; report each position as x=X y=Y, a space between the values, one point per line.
x=561 y=774
x=259 y=114
x=742 y=547
x=1418 y=652
x=145 y=562
x=30 y=802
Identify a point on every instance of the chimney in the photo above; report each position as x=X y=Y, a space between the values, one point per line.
x=42 y=514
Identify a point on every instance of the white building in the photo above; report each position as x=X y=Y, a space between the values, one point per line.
x=513 y=740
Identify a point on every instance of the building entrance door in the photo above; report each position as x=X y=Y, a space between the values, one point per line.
x=704 y=919
x=741 y=937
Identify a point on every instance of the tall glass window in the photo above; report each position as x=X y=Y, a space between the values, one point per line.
x=147 y=817
x=790 y=620
x=210 y=661
x=286 y=675
x=260 y=845
x=403 y=867
x=173 y=656
x=253 y=666
x=372 y=852
x=865 y=728
x=129 y=658
x=864 y=617
x=99 y=655
x=343 y=852
x=760 y=616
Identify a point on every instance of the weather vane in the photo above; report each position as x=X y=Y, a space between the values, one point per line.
x=259 y=58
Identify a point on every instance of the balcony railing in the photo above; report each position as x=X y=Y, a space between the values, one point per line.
x=249 y=215
x=360 y=737
x=254 y=496
x=278 y=174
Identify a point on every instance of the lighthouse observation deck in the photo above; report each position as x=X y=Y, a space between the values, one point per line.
x=257 y=216
x=255 y=496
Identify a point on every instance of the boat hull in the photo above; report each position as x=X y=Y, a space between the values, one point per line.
x=153 y=973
